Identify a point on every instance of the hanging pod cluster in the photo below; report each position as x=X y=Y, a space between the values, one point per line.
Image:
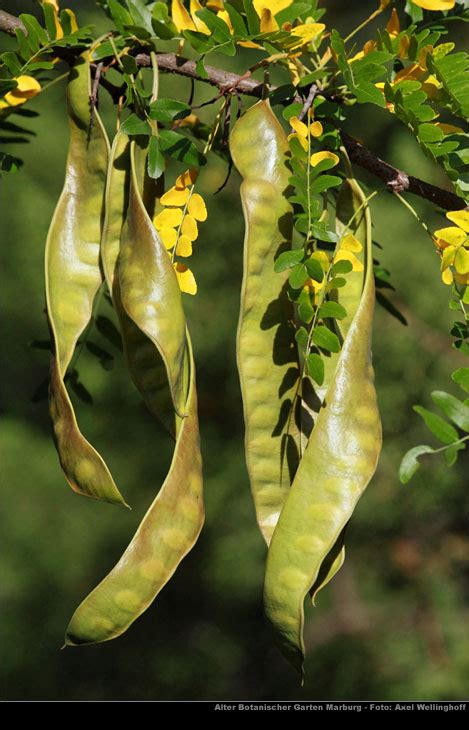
x=311 y=450
x=312 y=444
x=102 y=226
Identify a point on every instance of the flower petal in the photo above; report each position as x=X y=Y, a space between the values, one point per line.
x=316 y=129
x=197 y=208
x=175 y=196
x=185 y=278
x=189 y=228
x=461 y=261
x=184 y=247
x=318 y=157
x=447 y=276
x=435 y=4
x=460 y=217
x=447 y=257
x=199 y=24
x=307 y=32
x=300 y=127
x=453 y=236
x=168 y=218
x=168 y=236
x=350 y=243
x=181 y=18
x=342 y=255
x=394 y=27
x=186 y=179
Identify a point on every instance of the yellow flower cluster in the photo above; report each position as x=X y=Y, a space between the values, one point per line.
x=453 y=244
x=177 y=224
x=304 y=133
x=27 y=88
x=266 y=10
x=346 y=250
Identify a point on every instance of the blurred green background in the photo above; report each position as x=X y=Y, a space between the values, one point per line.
x=392 y=625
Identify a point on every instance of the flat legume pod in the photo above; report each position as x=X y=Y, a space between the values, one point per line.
x=149 y=290
x=338 y=463
x=73 y=278
x=146 y=366
x=167 y=533
x=267 y=359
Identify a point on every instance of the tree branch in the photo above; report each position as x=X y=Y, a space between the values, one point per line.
x=8 y=23
x=225 y=81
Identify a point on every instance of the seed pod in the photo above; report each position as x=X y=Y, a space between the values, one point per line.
x=338 y=463
x=144 y=361
x=267 y=359
x=151 y=298
x=166 y=534
x=73 y=278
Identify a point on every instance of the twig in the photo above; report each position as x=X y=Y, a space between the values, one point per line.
x=396 y=180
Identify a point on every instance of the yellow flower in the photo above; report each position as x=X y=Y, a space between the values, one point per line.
x=435 y=4
x=302 y=131
x=58 y=28
x=175 y=196
x=275 y=6
x=318 y=157
x=185 y=277
x=306 y=33
x=177 y=224
x=27 y=87
x=181 y=18
x=54 y=4
x=199 y=24
x=453 y=244
x=348 y=247
x=367 y=48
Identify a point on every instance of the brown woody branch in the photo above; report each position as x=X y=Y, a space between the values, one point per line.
x=395 y=179
x=9 y=23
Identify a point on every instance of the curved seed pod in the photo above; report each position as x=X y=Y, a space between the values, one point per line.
x=265 y=346
x=149 y=290
x=145 y=363
x=338 y=463
x=167 y=533
x=351 y=217
x=73 y=277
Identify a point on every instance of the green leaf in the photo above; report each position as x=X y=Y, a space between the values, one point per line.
x=155 y=161
x=119 y=14
x=451 y=453
x=35 y=29
x=219 y=28
x=133 y=125
x=461 y=377
x=11 y=62
x=315 y=365
x=49 y=19
x=323 y=234
x=410 y=463
x=324 y=182
x=325 y=339
x=129 y=63
x=166 y=110
x=367 y=92
x=179 y=147
x=298 y=276
x=332 y=309
x=453 y=408
x=251 y=16
x=314 y=269
x=305 y=308
x=236 y=21
x=444 y=431
x=288 y=259
x=302 y=337
x=162 y=24
x=342 y=267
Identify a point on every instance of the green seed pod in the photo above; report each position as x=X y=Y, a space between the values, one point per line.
x=73 y=277
x=338 y=463
x=267 y=359
x=146 y=366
